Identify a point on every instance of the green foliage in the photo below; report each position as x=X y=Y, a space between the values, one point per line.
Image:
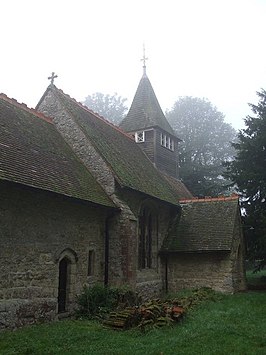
x=234 y=325
x=98 y=300
x=206 y=144
x=111 y=107
x=248 y=171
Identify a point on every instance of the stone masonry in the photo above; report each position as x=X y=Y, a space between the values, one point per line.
x=37 y=230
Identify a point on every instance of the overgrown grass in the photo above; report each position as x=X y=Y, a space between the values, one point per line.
x=235 y=324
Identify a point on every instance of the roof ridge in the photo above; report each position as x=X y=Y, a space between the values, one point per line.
x=211 y=199
x=24 y=107
x=83 y=106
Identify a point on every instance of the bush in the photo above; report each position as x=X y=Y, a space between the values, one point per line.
x=98 y=300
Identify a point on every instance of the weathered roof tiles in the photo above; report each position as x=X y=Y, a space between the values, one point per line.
x=34 y=154
x=203 y=225
x=130 y=166
x=145 y=111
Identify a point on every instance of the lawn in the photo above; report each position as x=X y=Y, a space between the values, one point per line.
x=236 y=324
x=257 y=280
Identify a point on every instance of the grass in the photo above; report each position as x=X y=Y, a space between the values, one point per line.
x=234 y=325
x=257 y=280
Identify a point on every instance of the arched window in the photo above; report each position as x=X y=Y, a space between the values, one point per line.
x=147 y=246
x=91 y=262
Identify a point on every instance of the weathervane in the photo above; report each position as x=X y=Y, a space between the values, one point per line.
x=144 y=60
x=52 y=77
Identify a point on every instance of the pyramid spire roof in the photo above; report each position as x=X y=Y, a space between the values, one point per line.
x=145 y=111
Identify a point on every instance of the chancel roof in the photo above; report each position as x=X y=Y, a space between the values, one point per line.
x=131 y=167
x=203 y=225
x=179 y=186
x=33 y=153
x=145 y=111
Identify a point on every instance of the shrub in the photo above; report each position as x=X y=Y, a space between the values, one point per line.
x=97 y=301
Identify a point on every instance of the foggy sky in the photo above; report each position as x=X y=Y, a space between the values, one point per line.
x=212 y=49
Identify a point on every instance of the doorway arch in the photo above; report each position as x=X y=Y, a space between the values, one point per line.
x=63 y=284
x=66 y=277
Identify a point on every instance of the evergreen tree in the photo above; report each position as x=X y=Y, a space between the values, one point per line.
x=248 y=171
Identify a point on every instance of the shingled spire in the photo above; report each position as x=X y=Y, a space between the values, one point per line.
x=148 y=124
x=145 y=111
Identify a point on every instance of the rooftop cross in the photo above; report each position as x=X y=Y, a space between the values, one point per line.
x=52 y=77
x=144 y=60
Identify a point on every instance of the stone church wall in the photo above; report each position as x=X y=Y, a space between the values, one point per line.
x=222 y=271
x=122 y=246
x=238 y=258
x=200 y=270
x=149 y=281
x=122 y=227
x=37 y=229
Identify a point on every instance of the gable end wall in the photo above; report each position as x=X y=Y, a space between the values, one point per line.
x=122 y=227
x=80 y=144
x=238 y=257
x=222 y=271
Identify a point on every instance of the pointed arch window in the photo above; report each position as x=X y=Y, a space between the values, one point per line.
x=147 y=246
x=91 y=262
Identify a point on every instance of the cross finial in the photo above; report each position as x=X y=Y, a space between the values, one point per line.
x=144 y=60
x=52 y=77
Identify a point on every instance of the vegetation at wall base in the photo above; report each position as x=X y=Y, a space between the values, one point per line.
x=98 y=301
x=120 y=308
x=233 y=325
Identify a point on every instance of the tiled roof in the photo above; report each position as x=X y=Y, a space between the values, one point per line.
x=203 y=225
x=181 y=189
x=145 y=111
x=131 y=167
x=33 y=153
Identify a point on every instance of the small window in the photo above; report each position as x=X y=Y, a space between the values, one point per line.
x=91 y=262
x=172 y=147
x=162 y=139
x=167 y=142
x=140 y=137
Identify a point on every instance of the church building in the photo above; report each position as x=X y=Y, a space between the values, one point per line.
x=83 y=202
